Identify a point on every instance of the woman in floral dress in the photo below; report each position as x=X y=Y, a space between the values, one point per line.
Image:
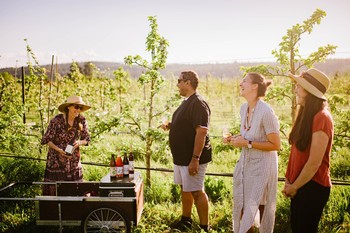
x=67 y=128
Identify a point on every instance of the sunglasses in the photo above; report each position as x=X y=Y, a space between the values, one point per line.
x=77 y=107
x=182 y=80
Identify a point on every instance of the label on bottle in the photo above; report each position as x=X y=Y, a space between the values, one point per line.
x=69 y=149
x=113 y=172
x=126 y=169
x=119 y=172
x=131 y=165
x=131 y=169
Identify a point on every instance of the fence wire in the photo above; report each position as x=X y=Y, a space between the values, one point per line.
x=281 y=179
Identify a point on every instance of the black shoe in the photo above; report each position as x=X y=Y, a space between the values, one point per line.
x=206 y=228
x=182 y=225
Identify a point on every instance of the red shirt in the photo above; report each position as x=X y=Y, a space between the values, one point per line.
x=297 y=159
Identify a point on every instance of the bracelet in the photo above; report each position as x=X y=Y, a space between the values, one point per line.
x=195 y=157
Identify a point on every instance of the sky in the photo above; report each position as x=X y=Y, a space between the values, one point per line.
x=198 y=31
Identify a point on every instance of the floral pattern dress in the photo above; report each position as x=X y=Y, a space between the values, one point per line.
x=59 y=168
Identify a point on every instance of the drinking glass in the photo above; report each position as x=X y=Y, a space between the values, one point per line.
x=226 y=132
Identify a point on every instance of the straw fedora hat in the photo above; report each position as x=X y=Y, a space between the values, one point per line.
x=73 y=100
x=314 y=82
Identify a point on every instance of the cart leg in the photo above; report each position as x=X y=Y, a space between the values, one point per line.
x=60 y=217
x=105 y=220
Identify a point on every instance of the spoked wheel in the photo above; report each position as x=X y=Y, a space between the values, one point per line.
x=105 y=220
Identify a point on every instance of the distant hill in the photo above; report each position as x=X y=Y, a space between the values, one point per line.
x=224 y=70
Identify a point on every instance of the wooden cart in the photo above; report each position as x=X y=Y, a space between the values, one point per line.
x=106 y=206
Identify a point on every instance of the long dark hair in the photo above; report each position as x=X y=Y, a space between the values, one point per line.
x=301 y=133
x=66 y=111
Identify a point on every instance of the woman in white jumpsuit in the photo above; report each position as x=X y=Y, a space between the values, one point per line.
x=255 y=176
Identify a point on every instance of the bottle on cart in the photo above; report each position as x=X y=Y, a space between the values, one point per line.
x=119 y=166
x=131 y=164
x=126 y=165
x=113 y=167
x=70 y=146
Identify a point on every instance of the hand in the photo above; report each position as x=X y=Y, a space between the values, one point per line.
x=78 y=143
x=239 y=141
x=164 y=126
x=62 y=152
x=227 y=140
x=193 y=167
x=63 y=155
x=289 y=190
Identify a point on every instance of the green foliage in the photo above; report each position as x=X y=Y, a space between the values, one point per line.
x=12 y=130
x=282 y=217
x=14 y=216
x=90 y=70
x=340 y=163
x=289 y=58
x=15 y=170
x=123 y=81
x=16 y=220
x=152 y=81
x=75 y=72
x=341 y=114
x=216 y=189
x=337 y=211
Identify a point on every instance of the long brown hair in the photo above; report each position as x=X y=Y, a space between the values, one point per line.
x=301 y=133
x=262 y=82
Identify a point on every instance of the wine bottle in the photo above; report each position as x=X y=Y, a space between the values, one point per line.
x=119 y=166
x=131 y=164
x=126 y=165
x=113 y=166
x=70 y=146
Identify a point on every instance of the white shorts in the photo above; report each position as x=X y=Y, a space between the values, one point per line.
x=190 y=183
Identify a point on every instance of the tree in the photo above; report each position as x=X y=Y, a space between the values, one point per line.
x=37 y=75
x=290 y=60
x=123 y=81
x=75 y=72
x=152 y=81
x=90 y=69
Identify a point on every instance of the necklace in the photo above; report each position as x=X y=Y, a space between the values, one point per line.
x=248 y=122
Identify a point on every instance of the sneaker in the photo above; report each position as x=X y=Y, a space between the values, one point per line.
x=182 y=225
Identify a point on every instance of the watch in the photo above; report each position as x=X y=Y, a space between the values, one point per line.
x=196 y=157
x=250 y=145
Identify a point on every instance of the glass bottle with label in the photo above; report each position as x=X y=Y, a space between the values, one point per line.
x=131 y=164
x=113 y=167
x=119 y=166
x=126 y=165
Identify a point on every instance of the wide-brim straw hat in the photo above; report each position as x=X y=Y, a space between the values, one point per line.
x=73 y=100
x=313 y=81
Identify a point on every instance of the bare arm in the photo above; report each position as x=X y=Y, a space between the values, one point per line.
x=56 y=148
x=319 y=143
x=199 y=143
x=199 y=140
x=273 y=142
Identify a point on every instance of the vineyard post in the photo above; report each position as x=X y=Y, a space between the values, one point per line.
x=50 y=88
x=56 y=76
x=23 y=96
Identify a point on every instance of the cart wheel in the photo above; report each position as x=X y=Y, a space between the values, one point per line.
x=105 y=220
